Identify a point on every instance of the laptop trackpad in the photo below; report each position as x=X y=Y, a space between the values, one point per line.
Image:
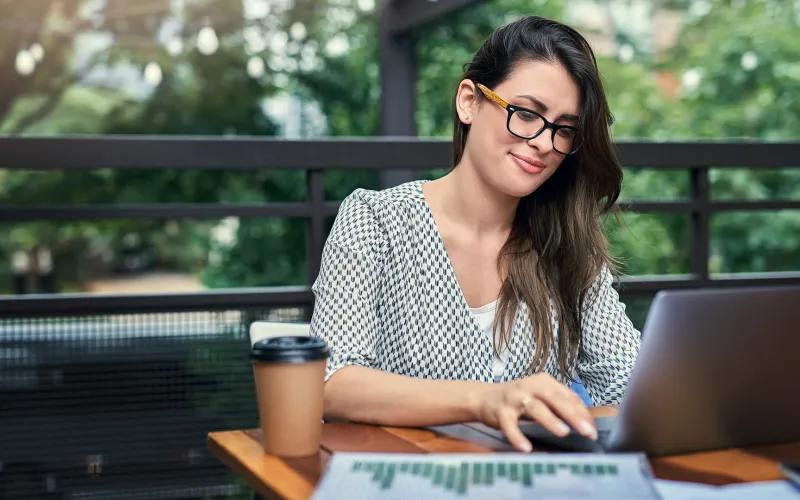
x=573 y=441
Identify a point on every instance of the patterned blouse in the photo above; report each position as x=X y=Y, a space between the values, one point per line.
x=387 y=298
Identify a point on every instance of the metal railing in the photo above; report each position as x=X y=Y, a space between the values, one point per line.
x=314 y=157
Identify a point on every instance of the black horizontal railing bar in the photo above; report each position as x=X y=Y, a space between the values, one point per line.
x=712 y=206
x=713 y=154
x=746 y=205
x=649 y=285
x=23 y=213
x=658 y=206
x=79 y=304
x=82 y=304
x=101 y=211
x=384 y=152
x=217 y=153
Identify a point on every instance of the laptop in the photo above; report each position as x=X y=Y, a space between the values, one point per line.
x=717 y=368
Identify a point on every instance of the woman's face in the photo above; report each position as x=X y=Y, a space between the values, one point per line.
x=510 y=164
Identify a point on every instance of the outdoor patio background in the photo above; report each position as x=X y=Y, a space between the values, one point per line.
x=170 y=170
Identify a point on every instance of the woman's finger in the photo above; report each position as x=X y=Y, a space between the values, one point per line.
x=508 y=420
x=539 y=412
x=570 y=409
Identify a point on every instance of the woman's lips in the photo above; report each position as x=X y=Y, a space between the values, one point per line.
x=527 y=164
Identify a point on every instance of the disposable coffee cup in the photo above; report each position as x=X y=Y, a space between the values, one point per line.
x=290 y=377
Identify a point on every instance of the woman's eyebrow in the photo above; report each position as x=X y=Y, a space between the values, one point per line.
x=536 y=102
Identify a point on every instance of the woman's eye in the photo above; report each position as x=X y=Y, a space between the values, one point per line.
x=566 y=132
x=527 y=116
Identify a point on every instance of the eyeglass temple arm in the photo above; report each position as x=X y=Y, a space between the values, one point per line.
x=492 y=96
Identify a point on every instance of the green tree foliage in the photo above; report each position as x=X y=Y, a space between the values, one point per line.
x=731 y=72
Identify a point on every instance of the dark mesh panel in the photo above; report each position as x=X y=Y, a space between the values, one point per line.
x=119 y=406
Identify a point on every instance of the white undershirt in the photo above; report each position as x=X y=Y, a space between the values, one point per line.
x=485 y=317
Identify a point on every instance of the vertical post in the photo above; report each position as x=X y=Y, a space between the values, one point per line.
x=701 y=199
x=398 y=74
x=315 y=234
x=316 y=225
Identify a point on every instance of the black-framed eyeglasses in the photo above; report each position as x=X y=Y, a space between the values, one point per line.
x=528 y=124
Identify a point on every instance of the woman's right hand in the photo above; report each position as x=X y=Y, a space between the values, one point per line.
x=541 y=398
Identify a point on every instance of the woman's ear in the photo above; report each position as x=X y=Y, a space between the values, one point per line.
x=466 y=101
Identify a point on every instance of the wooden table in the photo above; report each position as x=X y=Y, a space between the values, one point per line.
x=273 y=477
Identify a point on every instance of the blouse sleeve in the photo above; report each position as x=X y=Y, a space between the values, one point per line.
x=348 y=285
x=609 y=343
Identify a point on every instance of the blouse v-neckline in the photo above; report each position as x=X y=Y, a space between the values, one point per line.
x=477 y=331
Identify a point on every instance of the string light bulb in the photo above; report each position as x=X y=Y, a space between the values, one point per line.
x=25 y=63
x=37 y=51
x=152 y=73
x=207 y=41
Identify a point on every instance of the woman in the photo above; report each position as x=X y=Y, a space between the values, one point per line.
x=478 y=296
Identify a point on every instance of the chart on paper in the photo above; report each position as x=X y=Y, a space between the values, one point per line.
x=391 y=476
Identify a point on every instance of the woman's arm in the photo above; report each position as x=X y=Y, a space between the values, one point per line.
x=361 y=394
x=372 y=396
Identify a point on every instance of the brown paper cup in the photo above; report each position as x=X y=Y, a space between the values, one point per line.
x=289 y=375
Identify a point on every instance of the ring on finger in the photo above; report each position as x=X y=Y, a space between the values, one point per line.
x=526 y=401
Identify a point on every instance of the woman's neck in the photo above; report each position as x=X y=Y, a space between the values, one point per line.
x=473 y=205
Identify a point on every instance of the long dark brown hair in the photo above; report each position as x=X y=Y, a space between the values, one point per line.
x=556 y=248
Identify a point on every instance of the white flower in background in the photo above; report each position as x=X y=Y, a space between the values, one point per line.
x=254 y=40
x=277 y=63
x=366 y=5
x=224 y=233
x=340 y=18
x=749 y=61
x=338 y=45
x=298 y=31
x=691 y=79
x=255 y=67
x=277 y=42
x=174 y=46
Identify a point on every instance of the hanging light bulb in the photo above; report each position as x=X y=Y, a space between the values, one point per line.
x=37 y=51
x=25 y=62
x=255 y=67
x=207 y=41
x=152 y=73
x=174 y=46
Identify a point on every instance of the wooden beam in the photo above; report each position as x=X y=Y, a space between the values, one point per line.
x=405 y=15
x=398 y=67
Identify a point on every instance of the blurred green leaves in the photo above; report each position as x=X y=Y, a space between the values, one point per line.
x=730 y=72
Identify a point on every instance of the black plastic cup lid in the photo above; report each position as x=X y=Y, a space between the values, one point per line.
x=289 y=350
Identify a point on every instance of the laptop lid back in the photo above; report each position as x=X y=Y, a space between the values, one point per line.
x=717 y=369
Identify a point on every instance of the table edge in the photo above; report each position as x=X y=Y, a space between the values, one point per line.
x=298 y=488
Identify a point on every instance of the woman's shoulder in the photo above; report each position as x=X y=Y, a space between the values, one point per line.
x=370 y=205
x=408 y=191
x=373 y=214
